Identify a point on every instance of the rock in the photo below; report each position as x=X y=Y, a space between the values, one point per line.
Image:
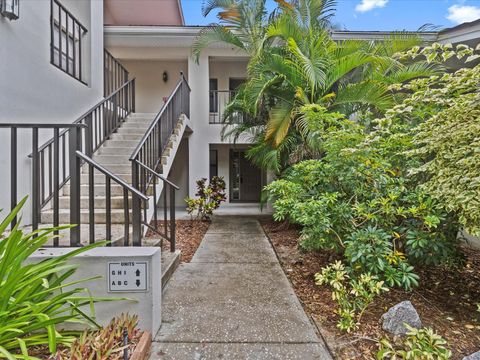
x=398 y=315
x=474 y=356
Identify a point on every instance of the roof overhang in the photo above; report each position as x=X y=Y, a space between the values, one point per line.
x=183 y=36
x=463 y=33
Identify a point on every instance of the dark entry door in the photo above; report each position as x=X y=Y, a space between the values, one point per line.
x=245 y=179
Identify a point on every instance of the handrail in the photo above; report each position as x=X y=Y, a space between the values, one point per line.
x=41 y=125
x=108 y=173
x=114 y=73
x=147 y=155
x=87 y=113
x=157 y=175
x=156 y=119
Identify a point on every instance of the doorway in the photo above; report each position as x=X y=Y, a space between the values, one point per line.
x=245 y=178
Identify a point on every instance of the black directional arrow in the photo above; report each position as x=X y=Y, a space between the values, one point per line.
x=137 y=272
x=138 y=283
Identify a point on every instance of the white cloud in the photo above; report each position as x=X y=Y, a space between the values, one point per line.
x=367 y=5
x=463 y=13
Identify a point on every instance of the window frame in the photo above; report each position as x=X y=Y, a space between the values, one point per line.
x=69 y=57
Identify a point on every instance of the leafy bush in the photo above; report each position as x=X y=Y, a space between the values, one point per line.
x=420 y=344
x=392 y=192
x=208 y=198
x=353 y=294
x=37 y=297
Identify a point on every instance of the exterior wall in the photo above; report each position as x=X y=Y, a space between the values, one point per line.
x=33 y=90
x=223 y=70
x=150 y=89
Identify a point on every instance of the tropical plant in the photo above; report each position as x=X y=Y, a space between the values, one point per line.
x=209 y=198
x=35 y=298
x=242 y=23
x=420 y=344
x=352 y=293
x=106 y=343
x=305 y=66
x=392 y=192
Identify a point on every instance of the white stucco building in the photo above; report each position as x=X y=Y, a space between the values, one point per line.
x=52 y=65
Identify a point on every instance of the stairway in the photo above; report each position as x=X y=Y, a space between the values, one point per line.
x=113 y=155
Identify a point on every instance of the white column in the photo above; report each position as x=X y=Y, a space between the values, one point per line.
x=198 y=78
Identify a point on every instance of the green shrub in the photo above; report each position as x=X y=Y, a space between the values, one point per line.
x=209 y=198
x=36 y=298
x=352 y=293
x=391 y=192
x=420 y=344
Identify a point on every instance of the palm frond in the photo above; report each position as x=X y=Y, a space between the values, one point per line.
x=215 y=34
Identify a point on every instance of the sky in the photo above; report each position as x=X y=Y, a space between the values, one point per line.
x=376 y=14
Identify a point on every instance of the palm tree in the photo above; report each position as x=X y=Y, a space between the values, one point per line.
x=307 y=67
x=241 y=25
x=294 y=62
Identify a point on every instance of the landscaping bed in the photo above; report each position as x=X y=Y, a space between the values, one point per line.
x=189 y=235
x=109 y=342
x=445 y=300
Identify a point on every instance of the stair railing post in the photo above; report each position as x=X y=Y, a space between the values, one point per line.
x=75 y=142
x=136 y=208
x=91 y=178
x=172 y=218
x=133 y=95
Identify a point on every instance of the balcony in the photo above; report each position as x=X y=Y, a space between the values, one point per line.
x=218 y=101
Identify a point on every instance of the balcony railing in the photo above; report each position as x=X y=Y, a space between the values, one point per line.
x=218 y=101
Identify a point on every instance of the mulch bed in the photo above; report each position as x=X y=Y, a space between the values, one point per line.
x=446 y=299
x=188 y=235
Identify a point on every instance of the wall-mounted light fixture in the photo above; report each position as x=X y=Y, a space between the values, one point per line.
x=9 y=9
x=165 y=76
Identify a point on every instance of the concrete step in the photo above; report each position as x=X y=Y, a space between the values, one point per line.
x=110 y=150
x=129 y=131
x=99 y=190
x=118 y=216
x=100 y=202
x=114 y=168
x=141 y=115
x=112 y=159
x=117 y=230
x=127 y=137
x=99 y=178
x=136 y=125
x=169 y=264
x=118 y=141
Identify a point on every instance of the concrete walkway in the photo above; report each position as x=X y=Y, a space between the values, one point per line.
x=233 y=301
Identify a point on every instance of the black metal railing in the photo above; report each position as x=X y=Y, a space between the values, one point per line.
x=102 y=121
x=75 y=156
x=114 y=74
x=166 y=229
x=62 y=162
x=218 y=101
x=128 y=192
x=146 y=163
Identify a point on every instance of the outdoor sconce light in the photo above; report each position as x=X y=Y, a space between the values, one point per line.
x=9 y=9
x=165 y=76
